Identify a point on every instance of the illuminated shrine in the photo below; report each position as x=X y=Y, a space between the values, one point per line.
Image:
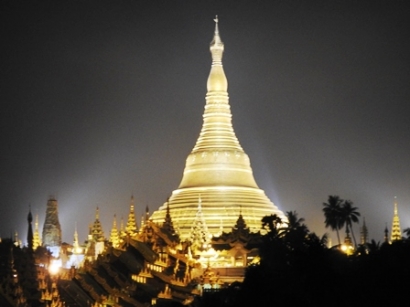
x=217 y=172
x=395 y=230
x=182 y=250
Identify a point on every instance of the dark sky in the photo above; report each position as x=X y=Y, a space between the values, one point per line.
x=104 y=99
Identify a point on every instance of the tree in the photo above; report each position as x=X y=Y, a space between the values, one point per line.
x=373 y=246
x=295 y=234
x=332 y=210
x=294 y=222
x=406 y=232
x=349 y=215
x=271 y=223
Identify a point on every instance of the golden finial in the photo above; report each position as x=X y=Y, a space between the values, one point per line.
x=217 y=46
x=216 y=24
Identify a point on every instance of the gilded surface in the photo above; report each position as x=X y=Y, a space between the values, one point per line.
x=217 y=171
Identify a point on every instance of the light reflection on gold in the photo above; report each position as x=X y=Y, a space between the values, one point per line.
x=217 y=170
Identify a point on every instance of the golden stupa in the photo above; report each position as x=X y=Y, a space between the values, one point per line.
x=217 y=175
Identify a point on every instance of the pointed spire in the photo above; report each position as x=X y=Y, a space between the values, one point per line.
x=396 y=230
x=122 y=230
x=199 y=232
x=114 y=222
x=217 y=46
x=36 y=236
x=146 y=214
x=386 y=235
x=168 y=225
x=363 y=233
x=142 y=225
x=131 y=227
x=217 y=132
x=114 y=236
x=395 y=206
x=240 y=223
x=96 y=230
x=76 y=243
x=30 y=235
x=29 y=216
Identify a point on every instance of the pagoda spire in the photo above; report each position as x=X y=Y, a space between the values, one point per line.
x=131 y=227
x=217 y=131
x=396 y=231
x=142 y=224
x=52 y=228
x=386 y=235
x=36 y=235
x=168 y=225
x=240 y=223
x=30 y=236
x=122 y=229
x=144 y=218
x=146 y=214
x=363 y=233
x=96 y=230
x=217 y=48
x=76 y=243
x=114 y=236
x=199 y=231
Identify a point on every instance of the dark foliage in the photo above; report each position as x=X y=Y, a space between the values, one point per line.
x=296 y=269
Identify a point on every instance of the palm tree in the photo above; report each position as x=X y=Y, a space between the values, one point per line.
x=349 y=216
x=407 y=233
x=332 y=211
x=294 y=222
x=271 y=223
x=296 y=232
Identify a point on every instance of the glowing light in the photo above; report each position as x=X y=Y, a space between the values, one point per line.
x=217 y=169
x=54 y=267
x=347 y=249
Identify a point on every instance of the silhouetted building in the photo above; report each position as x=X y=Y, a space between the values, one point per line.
x=364 y=233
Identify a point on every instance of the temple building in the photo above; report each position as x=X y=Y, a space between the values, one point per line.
x=114 y=234
x=179 y=252
x=131 y=228
x=95 y=242
x=30 y=236
x=52 y=230
x=395 y=229
x=364 y=233
x=217 y=172
x=36 y=236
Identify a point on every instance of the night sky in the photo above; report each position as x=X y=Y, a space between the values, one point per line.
x=104 y=99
